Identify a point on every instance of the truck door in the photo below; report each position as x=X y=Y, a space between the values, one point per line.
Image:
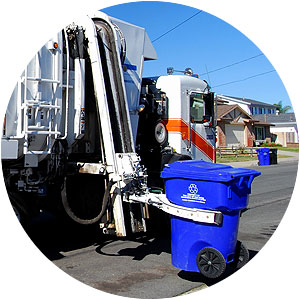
x=201 y=126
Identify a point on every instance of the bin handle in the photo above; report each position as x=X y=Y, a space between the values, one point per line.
x=241 y=181
x=233 y=176
x=250 y=181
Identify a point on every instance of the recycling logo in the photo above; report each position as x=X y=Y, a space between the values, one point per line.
x=193 y=188
x=192 y=195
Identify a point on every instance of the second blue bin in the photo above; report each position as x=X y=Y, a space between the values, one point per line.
x=263 y=155
x=207 y=186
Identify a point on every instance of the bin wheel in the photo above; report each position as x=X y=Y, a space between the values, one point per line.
x=211 y=263
x=242 y=255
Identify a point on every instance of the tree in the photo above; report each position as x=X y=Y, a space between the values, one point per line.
x=282 y=109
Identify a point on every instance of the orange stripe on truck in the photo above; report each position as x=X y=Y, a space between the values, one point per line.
x=179 y=126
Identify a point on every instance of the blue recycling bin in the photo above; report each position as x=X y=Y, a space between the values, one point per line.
x=202 y=247
x=263 y=155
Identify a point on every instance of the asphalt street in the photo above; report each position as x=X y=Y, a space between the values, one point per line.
x=131 y=267
x=271 y=193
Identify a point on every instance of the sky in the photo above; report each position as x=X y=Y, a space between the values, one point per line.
x=182 y=38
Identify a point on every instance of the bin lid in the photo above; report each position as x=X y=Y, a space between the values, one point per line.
x=263 y=150
x=202 y=170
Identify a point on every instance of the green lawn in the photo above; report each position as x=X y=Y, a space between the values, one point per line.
x=232 y=158
x=291 y=149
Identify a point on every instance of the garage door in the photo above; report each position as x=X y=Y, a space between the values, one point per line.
x=235 y=135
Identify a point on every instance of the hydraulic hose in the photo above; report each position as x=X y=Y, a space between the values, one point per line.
x=79 y=220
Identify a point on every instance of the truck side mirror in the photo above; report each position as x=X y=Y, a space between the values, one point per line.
x=207 y=121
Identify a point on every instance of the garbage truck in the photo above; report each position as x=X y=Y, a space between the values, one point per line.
x=82 y=122
x=85 y=134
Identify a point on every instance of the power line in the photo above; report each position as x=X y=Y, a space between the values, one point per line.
x=233 y=64
x=176 y=26
x=207 y=72
x=221 y=68
x=240 y=80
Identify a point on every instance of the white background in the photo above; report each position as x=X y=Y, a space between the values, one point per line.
x=272 y=25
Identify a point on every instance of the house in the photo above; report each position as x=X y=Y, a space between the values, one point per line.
x=284 y=131
x=235 y=127
x=262 y=131
x=253 y=107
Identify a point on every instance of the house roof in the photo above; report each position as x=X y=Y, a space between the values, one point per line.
x=273 y=118
x=253 y=102
x=224 y=109
x=263 y=123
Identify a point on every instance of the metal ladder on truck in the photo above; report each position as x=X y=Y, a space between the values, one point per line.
x=40 y=126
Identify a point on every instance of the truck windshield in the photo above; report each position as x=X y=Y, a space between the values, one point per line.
x=197 y=107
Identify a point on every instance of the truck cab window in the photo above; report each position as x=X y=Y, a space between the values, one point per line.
x=197 y=107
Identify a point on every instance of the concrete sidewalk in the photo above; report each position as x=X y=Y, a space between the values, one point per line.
x=293 y=156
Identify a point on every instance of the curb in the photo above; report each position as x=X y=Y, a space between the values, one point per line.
x=193 y=290
x=249 y=163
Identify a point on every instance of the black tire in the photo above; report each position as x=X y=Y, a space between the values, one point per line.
x=21 y=209
x=241 y=255
x=160 y=133
x=211 y=263
x=21 y=216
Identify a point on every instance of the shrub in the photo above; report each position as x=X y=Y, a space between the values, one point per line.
x=270 y=145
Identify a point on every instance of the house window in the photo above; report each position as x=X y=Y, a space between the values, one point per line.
x=260 y=133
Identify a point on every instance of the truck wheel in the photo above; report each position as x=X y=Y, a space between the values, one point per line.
x=20 y=209
x=242 y=255
x=18 y=214
x=211 y=262
x=160 y=133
